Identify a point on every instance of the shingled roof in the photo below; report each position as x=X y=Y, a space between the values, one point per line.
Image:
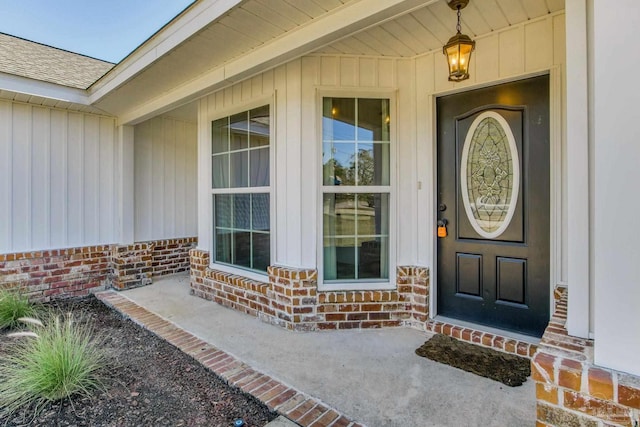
x=41 y=62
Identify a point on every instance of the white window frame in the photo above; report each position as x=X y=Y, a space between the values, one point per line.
x=241 y=108
x=358 y=285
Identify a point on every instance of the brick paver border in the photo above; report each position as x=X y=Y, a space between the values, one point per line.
x=300 y=408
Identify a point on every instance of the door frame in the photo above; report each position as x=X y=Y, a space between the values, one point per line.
x=556 y=137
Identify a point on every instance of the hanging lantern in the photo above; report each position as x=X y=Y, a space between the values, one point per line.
x=458 y=49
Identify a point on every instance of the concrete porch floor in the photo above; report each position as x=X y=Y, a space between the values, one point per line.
x=372 y=376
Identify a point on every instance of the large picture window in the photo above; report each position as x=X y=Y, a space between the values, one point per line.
x=356 y=189
x=240 y=160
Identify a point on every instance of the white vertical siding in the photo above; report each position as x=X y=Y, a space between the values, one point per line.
x=6 y=171
x=50 y=164
x=164 y=176
x=520 y=50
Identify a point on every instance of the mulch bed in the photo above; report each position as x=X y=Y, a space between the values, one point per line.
x=506 y=368
x=148 y=382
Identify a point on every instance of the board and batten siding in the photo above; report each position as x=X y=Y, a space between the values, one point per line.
x=519 y=51
x=165 y=179
x=57 y=178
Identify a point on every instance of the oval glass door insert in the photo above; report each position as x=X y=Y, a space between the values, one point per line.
x=490 y=174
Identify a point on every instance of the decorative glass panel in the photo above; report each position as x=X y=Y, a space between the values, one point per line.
x=490 y=174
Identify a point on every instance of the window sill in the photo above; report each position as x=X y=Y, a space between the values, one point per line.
x=356 y=286
x=258 y=277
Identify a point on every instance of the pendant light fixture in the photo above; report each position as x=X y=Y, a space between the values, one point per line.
x=458 y=49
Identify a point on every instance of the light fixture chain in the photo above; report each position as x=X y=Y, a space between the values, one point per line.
x=458 y=27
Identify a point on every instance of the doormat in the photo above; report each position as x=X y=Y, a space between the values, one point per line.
x=506 y=368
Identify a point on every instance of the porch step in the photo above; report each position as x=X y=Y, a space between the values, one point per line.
x=509 y=343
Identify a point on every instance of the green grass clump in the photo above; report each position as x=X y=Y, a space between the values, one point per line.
x=14 y=305
x=56 y=360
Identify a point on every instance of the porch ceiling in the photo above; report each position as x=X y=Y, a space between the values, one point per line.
x=244 y=28
x=255 y=35
x=431 y=27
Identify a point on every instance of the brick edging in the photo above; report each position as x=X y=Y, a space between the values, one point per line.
x=483 y=339
x=287 y=401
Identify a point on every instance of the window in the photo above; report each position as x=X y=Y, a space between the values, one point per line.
x=240 y=160
x=356 y=189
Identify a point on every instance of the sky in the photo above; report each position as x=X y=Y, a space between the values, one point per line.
x=103 y=29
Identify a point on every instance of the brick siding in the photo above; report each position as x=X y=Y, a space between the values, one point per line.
x=290 y=298
x=72 y=272
x=51 y=274
x=571 y=390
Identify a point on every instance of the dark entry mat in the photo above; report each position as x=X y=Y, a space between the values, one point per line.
x=509 y=369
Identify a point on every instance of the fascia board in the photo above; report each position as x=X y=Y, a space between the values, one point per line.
x=18 y=84
x=340 y=23
x=195 y=19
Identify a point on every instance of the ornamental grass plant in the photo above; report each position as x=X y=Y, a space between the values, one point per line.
x=56 y=359
x=14 y=305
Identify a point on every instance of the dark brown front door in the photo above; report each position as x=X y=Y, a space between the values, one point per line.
x=493 y=193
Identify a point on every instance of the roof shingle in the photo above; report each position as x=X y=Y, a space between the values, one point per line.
x=41 y=62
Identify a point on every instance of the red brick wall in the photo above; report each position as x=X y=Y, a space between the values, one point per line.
x=171 y=256
x=60 y=273
x=46 y=275
x=291 y=298
x=571 y=390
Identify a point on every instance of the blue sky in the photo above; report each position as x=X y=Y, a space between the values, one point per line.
x=103 y=29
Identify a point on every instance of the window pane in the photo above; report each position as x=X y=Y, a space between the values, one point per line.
x=339 y=259
x=345 y=258
x=373 y=120
x=222 y=209
x=242 y=211
x=239 y=169
x=373 y=164
x=220 y=171
x=220 y=136
x=373 y=214
x=223 y=246
x=259 y=125
x=261 y=251
x=339 y=215
x=371 y=259
x=339 y=167
x=356 y=236
x=339 y=119
x=239 y=135
x=242 y=248
x=260 y=212
x=259 y=163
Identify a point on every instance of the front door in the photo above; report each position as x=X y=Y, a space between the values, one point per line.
x=493 y=195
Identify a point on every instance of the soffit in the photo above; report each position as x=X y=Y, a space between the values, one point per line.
x=430 y=27
x=48 y=102
x=244 y=28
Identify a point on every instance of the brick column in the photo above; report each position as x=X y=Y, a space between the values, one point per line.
x=293 y=296
x=571 y=390
x=132 y=265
